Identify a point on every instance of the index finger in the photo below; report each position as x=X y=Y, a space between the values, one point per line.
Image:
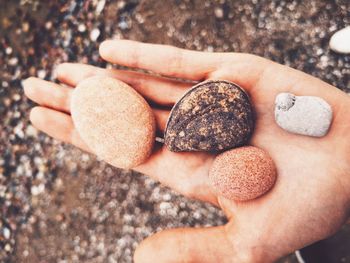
x=162 y=59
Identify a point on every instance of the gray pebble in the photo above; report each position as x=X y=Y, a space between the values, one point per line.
x=305 y=115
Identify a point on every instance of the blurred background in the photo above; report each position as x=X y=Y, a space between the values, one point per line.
x=58 y=204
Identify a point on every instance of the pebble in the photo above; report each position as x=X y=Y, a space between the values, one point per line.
x=243 y=173
x=123 y=24
x=340 y=41
x=42 y=73
x=81 y=28
x=219 y=12
x=8 y=248
x=100 y=6
x=7 y=233
x=94 y=34
x=8 y=50
x=114 y=121
x=48 y=25
x=31 y=131
x=305 y=115
x=214 y=115
x=37 y=189
x=13 y=61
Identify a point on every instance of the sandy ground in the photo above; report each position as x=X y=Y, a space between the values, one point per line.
x=58 y=204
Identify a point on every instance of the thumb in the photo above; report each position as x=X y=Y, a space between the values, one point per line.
x=186 y=245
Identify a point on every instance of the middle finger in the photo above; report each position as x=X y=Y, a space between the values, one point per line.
x=160 y=90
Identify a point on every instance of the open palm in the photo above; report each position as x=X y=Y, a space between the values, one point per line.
x=311 y=198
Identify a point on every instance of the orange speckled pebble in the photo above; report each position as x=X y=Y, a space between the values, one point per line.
x=243 y=173
x=113 y=120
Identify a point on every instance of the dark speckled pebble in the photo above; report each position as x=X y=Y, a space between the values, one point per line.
x=212 y=116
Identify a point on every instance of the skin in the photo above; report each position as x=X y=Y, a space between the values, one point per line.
x=311 y=198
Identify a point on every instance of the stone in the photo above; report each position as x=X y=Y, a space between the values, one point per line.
x=113 y=120
x=214 y=116
x=243 y=173
x=305 y=115
x=94 y=34
x=340 y=41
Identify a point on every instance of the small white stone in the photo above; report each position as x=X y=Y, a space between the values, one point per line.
x=8 y=50
x=123 y=25
x=48 y=25
x=18 y=130
x=81 y=28
x=100 y=6
x=7 y=247
x=5 y=84
x=42 y=73
x=340 y=41
x=34 y=190
x=16 y=97
x=13 y=61
x=7 y=233
x=94 y=34
x=305 y=115
x=37 y=190
x=219 y=12
x=31 y=131
x=121 y=4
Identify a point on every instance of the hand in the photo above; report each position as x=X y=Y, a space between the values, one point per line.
x=311 y=198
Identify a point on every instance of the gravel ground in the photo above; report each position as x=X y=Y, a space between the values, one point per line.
x=58 y=204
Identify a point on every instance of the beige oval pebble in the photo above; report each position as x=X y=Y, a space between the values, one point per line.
x=243 y=173
x=113 y=120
